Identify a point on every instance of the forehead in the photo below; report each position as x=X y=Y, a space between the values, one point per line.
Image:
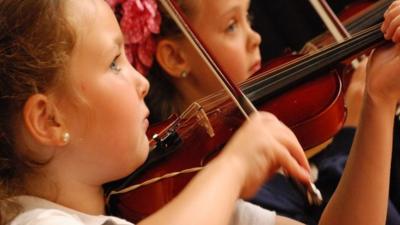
x=79 y=12
x=216 y=7
x=98 y=35
x=88 y=15
x=93 y=21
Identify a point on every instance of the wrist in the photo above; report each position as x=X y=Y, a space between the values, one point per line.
x=233 y=167
x=382 y=103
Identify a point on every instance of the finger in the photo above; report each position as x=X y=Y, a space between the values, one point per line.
x=292 y=167
x=293 y=145
x=391 y=23
x=393 y=5
x=385 y=16
x=290 y=141
x=396 y=36
x=388 y=16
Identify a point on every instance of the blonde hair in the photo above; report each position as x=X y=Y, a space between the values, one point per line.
x=35 y=44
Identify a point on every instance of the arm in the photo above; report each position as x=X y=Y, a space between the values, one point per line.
x=362 y=194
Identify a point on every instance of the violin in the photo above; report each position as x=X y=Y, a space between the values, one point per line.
x=181 y=146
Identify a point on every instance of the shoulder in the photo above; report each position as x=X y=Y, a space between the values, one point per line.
x=248 y=213
x=46 y=217
x=37 y=211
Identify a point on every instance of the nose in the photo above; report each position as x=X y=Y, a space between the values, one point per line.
x=142 y=85
x=254 y=39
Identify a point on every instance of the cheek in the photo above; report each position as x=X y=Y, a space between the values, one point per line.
x=233 y=58
x=123 y=137
x=236 y=67
x=116 y=115
x=122 y=118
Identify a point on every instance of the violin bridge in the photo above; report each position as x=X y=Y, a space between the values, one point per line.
x=205 y=122
x=195 y=109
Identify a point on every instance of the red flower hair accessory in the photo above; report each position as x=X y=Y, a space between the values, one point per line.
x=139 y=20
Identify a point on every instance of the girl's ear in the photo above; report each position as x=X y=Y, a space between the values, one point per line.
x=172 y=57
x=43 y=121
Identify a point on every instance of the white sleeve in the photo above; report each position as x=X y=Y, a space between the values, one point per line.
x=247 y=213
x=46 y=217
x=43 y=216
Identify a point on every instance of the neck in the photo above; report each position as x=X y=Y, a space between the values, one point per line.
x=69 y=193
x=189 y=91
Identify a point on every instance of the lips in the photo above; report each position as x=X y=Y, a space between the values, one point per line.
x=146 y=124
x=256 y=66
x=146 y=121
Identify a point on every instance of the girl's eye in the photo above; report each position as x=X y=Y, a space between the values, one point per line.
x=231 y=26
x=114 y=65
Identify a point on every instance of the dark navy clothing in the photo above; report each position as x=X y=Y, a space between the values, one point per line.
x=282 y=196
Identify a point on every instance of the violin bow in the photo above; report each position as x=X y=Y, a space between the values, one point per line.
x=240 y=99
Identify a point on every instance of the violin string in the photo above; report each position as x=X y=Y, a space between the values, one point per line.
x=371 y=15
x=326 y=50
x=303 y=59
x=302 y=63
x=281 y=77
x=330 y=52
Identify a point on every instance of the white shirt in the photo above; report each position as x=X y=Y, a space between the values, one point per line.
x=39 y=211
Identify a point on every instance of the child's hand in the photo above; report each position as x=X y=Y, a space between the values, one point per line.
x=391 y=24
x=383 y=77
x=261 y=147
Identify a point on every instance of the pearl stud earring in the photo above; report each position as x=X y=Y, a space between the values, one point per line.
x=66 y=137
x=184 y=74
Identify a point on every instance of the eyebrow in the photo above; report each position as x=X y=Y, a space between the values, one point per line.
x=235 y=8
x=230 y=11
x=117 y=42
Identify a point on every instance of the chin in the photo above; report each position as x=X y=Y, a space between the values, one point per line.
x=142 y=155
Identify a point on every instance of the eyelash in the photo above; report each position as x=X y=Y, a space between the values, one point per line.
x=114 y=66
x=232 y=25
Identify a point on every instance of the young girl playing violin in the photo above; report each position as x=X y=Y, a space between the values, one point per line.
x=179 y=70
x=178 y=77
x=75 y=119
